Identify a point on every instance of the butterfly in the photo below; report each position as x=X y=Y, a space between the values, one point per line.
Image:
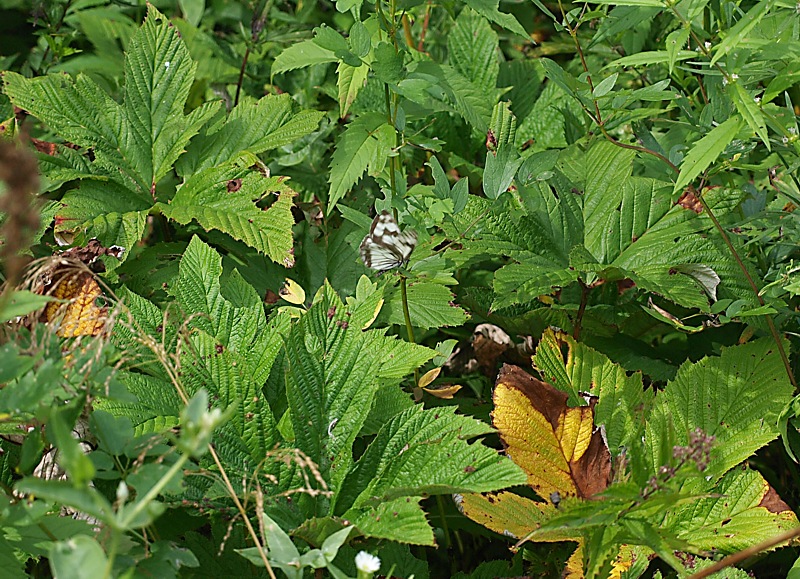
x=385 y=246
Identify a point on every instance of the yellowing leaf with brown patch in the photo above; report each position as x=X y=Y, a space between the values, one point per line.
x=557 y=446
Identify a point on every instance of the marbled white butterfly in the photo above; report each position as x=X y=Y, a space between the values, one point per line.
x=385 y=246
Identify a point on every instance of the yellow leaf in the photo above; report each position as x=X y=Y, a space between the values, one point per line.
x=429 y=377
x=292 y=292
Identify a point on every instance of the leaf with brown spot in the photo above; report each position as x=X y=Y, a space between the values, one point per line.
x=557 y=446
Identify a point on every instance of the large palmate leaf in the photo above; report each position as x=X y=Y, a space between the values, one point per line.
x=334 y=371
x=619 y=227
x=137 y=142
x=224 y=197
x=736 y=398
x=253 y=126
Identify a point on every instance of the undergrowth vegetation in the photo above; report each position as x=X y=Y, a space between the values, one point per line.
x=479 y=289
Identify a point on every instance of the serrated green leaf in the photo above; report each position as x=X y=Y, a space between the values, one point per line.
x=426 y=452
x=430 y=306
x=750 y=111
x=735 y=397
x=388 y=64
x=363 y=143
x=738 y=515
x=706 y=150
x=223 y=198
x=523 y=282
x=652 y=57
x=253 y=126
x=472 y=50
x=334 y=372
x=470 y=101
x=350 y=80
x=489 y=10
x=741 y=29
x=301 y=55
x=402 y=520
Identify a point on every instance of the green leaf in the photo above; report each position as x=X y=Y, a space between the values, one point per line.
x=430 y=306
x=334 y=372
x=741 y=29
x=676 y=41
x=158 y=76
x=156 y=407
x=706 y=150
x=470 y=100
x=300 y=55
x=472 y=49
x=224 y=197
x=488 y=9
x=79 y=558
x=653 y=57
x=738 y=515
x=735 y=397
x=750 y=111
x=388 y=64
x=584 y=370
x=22 y=303
x=402 y=520
x=653 y=3
x=253 y=126
x=366 y=142
x=605 y=86
x=351 y=80
x=500 y=170
x=607 y=167
x=524 y=282
x=85 y=499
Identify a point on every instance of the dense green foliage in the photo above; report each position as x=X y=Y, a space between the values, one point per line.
x=602 y=193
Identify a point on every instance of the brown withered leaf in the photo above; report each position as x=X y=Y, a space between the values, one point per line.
x=690 y=201
x=557 y=445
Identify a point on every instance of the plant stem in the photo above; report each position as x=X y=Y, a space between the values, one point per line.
x=770 y=322
x=746 y=553
x=256 y=26
x=440 y=503
x=154 y=491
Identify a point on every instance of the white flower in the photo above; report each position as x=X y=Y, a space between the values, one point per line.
x=792 y=130
x=122 y=492
x=367 y=563
x=707 y=44
x=757 y=100
x=785 y=140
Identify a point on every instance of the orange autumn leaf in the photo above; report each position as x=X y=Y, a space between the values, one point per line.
x=81 y=316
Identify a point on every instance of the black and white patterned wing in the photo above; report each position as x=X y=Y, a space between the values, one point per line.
x=385 y=246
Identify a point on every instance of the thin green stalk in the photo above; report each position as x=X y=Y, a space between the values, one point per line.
x=154 y=491
x=770 y=322
x=112 y=553
x=407 y=316
x=440 y=503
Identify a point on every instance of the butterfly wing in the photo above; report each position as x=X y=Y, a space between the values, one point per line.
x=385 y=246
